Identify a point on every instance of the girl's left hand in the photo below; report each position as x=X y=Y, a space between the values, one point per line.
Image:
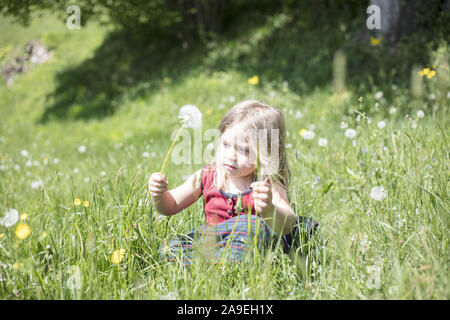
x=262 y=195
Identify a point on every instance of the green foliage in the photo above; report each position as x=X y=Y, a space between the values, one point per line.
x=117 y=93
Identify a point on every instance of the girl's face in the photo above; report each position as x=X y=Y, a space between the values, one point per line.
x=235 y=155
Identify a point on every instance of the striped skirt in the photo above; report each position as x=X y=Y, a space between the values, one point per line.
x=229 y=241
x=233 y=240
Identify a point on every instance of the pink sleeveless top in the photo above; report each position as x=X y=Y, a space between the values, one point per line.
x=219 y=205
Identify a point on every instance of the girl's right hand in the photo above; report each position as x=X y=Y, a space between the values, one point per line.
x=157 y=185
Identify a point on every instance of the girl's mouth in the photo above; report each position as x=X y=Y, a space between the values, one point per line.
x=230 y=167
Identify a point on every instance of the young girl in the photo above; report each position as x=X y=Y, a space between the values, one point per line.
x=250 y=173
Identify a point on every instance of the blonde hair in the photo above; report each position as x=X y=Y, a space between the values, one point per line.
x=264 y=119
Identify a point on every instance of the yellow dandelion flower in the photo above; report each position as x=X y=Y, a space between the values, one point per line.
x=253 y=80
x=426 y=71
x=209 y=112
x=431 y=74
x=77 y=202
x=421 y=73
x=166 y=80
x=22 y=231
x=374 y=41
x=86 y=203
x=302 y=131
x=24 y=216
x=2 y=235
x=117 y=256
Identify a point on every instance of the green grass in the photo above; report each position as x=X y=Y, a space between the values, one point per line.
x=116 y=103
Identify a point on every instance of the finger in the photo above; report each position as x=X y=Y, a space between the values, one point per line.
x=261 y=196
x=261 y=189
x=156 y=189
x=157 y=177
x=158 y=184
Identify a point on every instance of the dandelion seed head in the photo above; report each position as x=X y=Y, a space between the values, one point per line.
x=10 y=218
x=350 y=133
x=378 y=193
x=322 y=142
x=36 y=184
x=381 y=124
x=190 y=116
x=308 y=135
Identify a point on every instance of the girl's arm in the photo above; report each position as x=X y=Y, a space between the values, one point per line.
x=273 y=205
x=169 y=202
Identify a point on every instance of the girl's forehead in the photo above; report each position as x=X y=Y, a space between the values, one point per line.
x=236 y=130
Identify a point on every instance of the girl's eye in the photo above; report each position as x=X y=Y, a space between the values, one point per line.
x=244 y=151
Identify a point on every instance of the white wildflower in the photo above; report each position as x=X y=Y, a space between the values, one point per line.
x=365 y=244
x=381 y=124
x=74 y=282
x=343 y=125
x=379 y=95
x=374 y=279
x=298 y=115
x=308 y=135
x=56 y=161
x=350 y=133
x=378 y=193
x=392 y=110
x=24 y=153
x=322 y=142
x=81 y=149
x=36 y=184
x=28 y=164
x=420 y=114
x=10 y=218
x=146 y=154
x=190 y=116
x=413 y=124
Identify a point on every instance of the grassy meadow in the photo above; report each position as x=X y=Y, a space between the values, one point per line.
x=95 y=121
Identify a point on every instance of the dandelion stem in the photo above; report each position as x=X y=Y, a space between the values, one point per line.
x=170 y=150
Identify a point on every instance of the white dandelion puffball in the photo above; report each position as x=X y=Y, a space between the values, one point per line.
x=379 y=95
x=10 y=218
x=24 y=153
x=381 y=124
x=81 y=149
x=145 y=154
x=392 y=110
x=190 y=116
x=36 y=184
x=350 y=133
x=343 y=125
x=420 y=114
x=378 y=193
x=308 y=135
x=322 y=142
